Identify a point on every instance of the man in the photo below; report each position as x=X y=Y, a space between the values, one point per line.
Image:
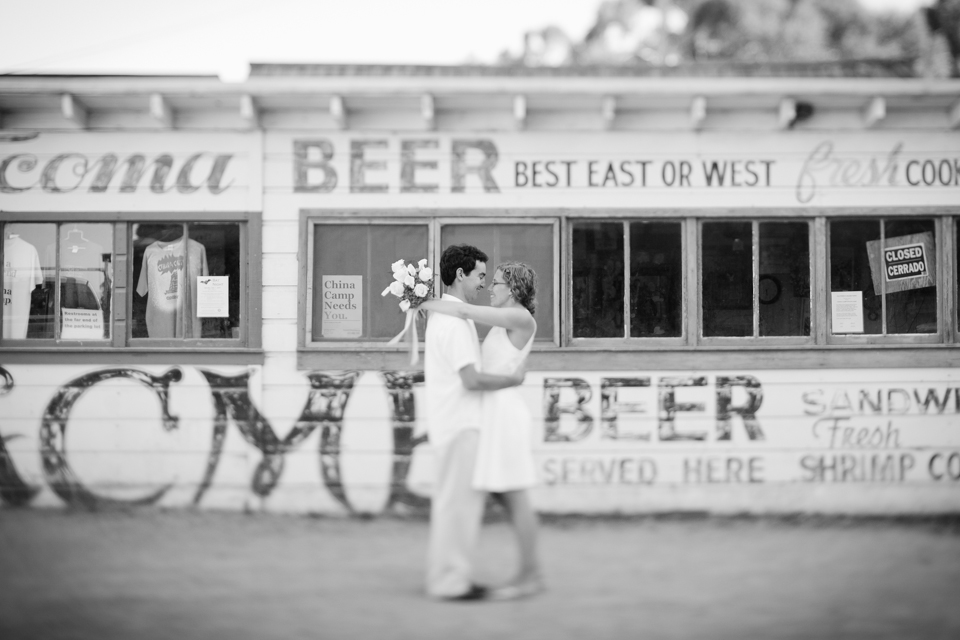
x=454 y=383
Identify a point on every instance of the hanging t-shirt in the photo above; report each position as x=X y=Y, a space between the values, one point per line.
x=21 y=274
x=167 y=277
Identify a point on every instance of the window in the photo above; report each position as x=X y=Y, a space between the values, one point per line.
x=349 y=270
x=502 y=241
x=597 y=290
x=783 y=284
x=105 y=284
x=349 y=267
x=648 y=255
x=657 y=282
x=883 y=279
x=186 y=281
x=57 y=281
x=772 y=300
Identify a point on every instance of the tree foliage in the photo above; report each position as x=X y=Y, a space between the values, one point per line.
x=670 y=32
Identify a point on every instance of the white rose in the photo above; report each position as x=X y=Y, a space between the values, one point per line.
x=420 y=290
x=400 y=276
x=385 y=291
x=398 y=266
x=426 y=274
x=396 y=288
x=422 y=263
x=412 y=270
x=409 y=281
x=404 y=305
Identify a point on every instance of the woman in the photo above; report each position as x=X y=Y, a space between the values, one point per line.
x=505 y=465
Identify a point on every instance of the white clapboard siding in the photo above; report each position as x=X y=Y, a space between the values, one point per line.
x=280 y=302
x=279 y=335
x=280 y=269
x=280 y=237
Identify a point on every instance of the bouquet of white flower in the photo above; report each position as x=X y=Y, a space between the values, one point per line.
x=412 y=284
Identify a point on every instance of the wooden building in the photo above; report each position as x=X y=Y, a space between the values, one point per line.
x=748 y=285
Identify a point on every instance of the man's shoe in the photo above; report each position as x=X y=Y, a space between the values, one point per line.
x=475 y=592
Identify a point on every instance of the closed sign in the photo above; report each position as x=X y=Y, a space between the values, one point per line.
x=907 y=261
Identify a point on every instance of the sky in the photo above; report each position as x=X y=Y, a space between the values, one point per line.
x=220 y=37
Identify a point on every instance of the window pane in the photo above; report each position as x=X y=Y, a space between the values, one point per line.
x=86 y=277
x=394 y=241
x=597 y=289
x=218 y=291
x=354 y=260
x=28 y=277
x=911 y=288
x=529 y=243
x=172 y=262
x=727 y=278
x=850 y=266
x=784 y=284
x=656 y=279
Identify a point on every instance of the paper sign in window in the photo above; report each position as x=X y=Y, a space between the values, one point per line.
x=846 y=311
x=82 y=324
x=213 y=296
x=341 y=306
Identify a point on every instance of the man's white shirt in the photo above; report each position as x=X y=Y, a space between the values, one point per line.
x=451 y=344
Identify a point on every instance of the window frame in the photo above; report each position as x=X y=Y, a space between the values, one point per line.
x=946 y=224
x=950 y=294
x=502 y=220
x=938 y=337
x=621 y=354
x=305 y=296
x=311 y=352
x=60 y=342
x=756 y=338
x=121 y=346
x=626 y=341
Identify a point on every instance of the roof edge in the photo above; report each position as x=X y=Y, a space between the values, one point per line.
x=850 y=68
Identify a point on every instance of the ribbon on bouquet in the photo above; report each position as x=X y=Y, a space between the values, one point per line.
x=410 y=327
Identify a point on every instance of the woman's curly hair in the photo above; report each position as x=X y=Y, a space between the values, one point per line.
x=522 y=281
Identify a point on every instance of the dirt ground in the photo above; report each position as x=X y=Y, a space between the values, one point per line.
x=147 y=575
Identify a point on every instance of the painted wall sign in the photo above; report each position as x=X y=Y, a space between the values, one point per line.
x=341 y=306
x=719 y=441
x=615 y=169
x=906 y=262
x=130 y=171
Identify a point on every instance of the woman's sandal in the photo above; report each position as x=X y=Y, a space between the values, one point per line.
x=517 y=591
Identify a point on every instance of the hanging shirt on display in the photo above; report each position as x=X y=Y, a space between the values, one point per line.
x=21 y=274
x=167 y=278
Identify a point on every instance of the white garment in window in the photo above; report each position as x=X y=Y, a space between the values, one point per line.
x=21 y=274
x=167 y=277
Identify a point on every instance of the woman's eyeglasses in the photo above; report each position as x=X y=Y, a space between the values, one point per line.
x=495 y=282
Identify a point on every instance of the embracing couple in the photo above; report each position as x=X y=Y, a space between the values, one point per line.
x=477 y=421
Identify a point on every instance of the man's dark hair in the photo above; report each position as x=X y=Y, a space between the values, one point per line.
x=459 y=256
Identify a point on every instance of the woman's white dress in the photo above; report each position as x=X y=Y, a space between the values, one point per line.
x=505 y=453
